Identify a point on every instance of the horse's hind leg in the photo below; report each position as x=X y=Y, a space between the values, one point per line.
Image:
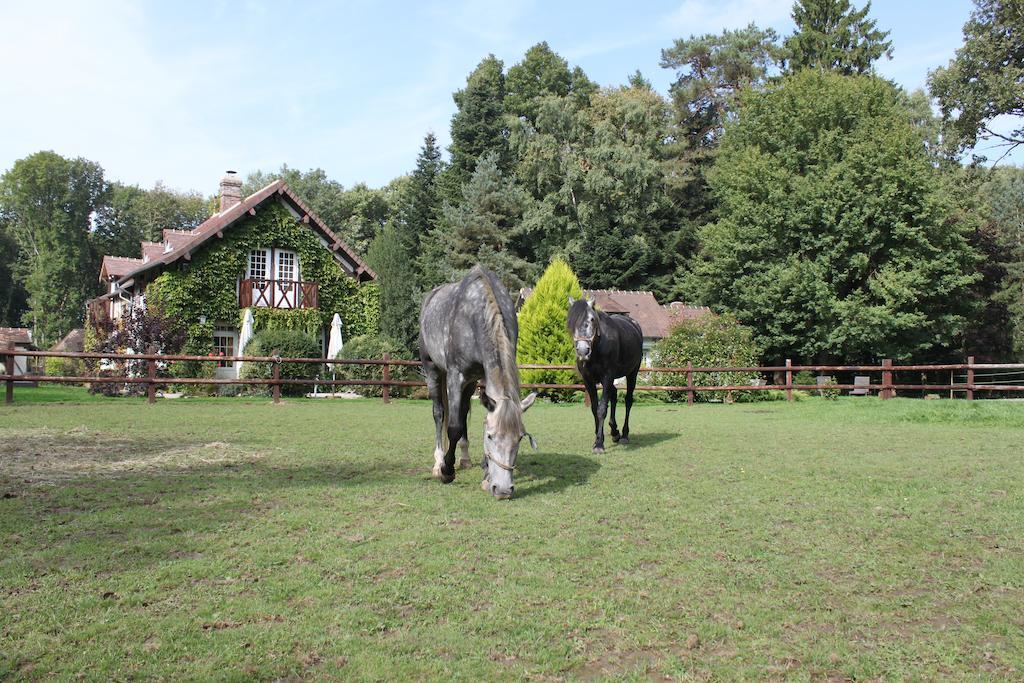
x=436 y=389
x=612 y=400
x=467 y=399
x=630 y=386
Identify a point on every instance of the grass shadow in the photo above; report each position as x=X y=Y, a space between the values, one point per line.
x=553 y=472
x=646 y=439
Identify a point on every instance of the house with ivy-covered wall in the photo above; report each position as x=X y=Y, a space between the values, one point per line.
x=267 y=252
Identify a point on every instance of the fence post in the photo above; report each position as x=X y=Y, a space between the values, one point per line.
x=970 y=378
x=9 y=368
x=887 y=391
x=277 y=379
x=151 y=385
x=789 y=380
x=386 y=393
x=689 y=383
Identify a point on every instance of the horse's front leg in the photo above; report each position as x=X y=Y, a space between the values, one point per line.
x=612 y=395
x=630 y=386
x=467 y=399
x=599 y=406
x=455 y=421
x=436 y=390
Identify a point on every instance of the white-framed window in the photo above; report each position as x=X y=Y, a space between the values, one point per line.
x=287 y=266
x=224 y=345
x=259 y=260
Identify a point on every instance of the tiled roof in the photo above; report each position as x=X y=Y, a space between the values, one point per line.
x=72 y=341
x=180 y=243
x=655 y=320
x=116 y=267
x=18 y=335
x=677 y=311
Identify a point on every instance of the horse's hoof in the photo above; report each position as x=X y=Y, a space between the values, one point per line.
x=624 y=439
x=598 y=449
x=486 y=486
x=616 y=437
x=447 y=478
x=465 y=464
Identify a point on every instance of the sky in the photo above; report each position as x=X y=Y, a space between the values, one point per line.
x=180 y=92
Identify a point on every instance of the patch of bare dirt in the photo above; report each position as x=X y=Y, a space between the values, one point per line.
x=48 y=456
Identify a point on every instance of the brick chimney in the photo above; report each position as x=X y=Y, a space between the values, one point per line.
x=230 y=191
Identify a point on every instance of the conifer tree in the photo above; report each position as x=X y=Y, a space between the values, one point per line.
x=543 y=333
x=833 y=36
x=479 y=229
x=478 y=126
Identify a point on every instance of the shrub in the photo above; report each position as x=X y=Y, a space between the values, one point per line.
x=287 y=344
x=543 y=333
x=371 y=347
x=64 y=367
x=707 y=341
x=196 y=370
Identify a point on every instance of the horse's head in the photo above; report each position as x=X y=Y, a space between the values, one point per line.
x=503 y=432
x=584 y=327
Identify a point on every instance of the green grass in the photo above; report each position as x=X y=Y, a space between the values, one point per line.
x=234 y=539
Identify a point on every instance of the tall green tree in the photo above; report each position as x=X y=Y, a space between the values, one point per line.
x=543 y=329
x=130 y=214
x=480 y=228
x=13 y=297
x=543 y=73
x=711 y=70
x=391 y=256
x=1003 y=196
x=403 y=253
x=46 y=202
x=478 y=125
x=832 y=35
x=986 y=78
x=834 y=238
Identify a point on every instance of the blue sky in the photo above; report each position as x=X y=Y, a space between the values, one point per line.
x=182 y=91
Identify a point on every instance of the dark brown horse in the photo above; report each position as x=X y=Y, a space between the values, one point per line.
x=607 y=347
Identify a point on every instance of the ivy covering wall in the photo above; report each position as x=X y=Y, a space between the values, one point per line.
x=207 y=285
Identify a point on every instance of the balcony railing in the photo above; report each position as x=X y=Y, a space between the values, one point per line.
x=277 y=294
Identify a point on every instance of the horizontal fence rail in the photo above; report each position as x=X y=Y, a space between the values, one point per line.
x=886 y=388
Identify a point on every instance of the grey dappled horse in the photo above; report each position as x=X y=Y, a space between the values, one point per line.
x=607 y=347
x=468 y=333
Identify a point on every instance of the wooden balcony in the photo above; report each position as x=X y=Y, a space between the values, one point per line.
x=277 y=294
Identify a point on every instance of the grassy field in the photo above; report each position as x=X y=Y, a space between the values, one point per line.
x=233 y=539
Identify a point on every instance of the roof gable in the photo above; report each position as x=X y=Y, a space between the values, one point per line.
x=180 y=244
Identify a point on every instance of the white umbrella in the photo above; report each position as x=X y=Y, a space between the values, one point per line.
x=246 y=334
x=335 y=343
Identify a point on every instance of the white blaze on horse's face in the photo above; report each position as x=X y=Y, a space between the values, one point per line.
x=501 y=448
x=585 y=334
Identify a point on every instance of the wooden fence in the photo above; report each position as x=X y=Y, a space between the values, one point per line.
x=886 y=388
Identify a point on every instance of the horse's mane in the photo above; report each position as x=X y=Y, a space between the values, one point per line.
x=508 y=411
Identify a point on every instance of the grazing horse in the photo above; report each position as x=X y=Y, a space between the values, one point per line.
x=468 y=333
x=607 y=347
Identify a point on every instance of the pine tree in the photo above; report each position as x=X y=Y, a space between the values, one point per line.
x=832 y=36
x=392 y=257
x=478 y=126
x=543 y=333
x=479 y=229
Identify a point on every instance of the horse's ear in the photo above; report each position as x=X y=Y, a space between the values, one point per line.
x=571 y=300
x=528 y=401
x=488 y=402
x=590 y=301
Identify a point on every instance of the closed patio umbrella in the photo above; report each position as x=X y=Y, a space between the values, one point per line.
x=335 y=343
x=246 y=333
